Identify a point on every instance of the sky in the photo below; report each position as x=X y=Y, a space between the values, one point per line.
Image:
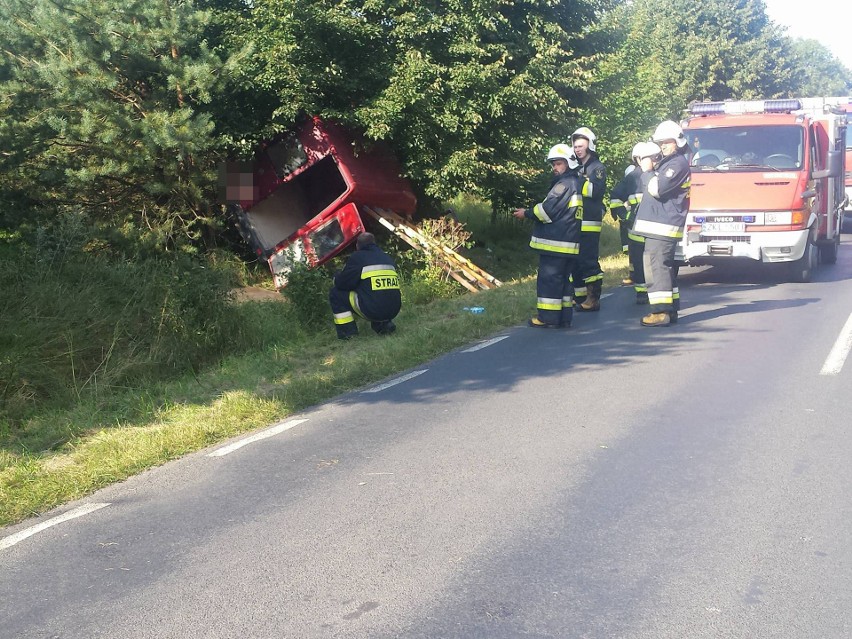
x=822 y=20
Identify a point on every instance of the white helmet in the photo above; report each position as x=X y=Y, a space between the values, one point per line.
x=563 y=152
x=669 y=130
x=585 y=132
x=645 y=150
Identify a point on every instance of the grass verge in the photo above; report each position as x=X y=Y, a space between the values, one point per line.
x=112 y=438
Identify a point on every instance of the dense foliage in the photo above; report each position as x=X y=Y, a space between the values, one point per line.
x=120 y=114
x=673 y=52
x=107 y=106
x=127 y=109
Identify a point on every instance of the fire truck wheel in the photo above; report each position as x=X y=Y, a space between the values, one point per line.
x=802 y=269
x=828 y=252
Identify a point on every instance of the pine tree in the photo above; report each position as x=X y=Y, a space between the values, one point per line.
x=106 y=105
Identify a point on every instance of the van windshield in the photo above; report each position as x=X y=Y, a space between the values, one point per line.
x=747 y=148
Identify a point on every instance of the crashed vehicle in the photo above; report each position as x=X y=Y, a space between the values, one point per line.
x=301 y=199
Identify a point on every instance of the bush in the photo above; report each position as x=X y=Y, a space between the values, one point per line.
x=307 y=291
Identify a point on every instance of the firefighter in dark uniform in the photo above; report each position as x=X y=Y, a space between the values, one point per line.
x=661 y=219
x=556 y=237
x=367 y=287
x=619 y=209
x=588 y=276
x=624 y=203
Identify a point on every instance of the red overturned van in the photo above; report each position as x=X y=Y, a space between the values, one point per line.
x=767 y=182
x=306 y=191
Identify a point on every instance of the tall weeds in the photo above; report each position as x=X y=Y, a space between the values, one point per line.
x=78 y=318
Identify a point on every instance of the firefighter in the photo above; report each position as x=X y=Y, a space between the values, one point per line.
x=619 y=210
x=556 y=237
x=624 y=203
x=588 y=276
x=661 y=219
x=367 y=287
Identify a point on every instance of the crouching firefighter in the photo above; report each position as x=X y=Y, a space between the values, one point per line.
x=556 y=237
x=367 y=287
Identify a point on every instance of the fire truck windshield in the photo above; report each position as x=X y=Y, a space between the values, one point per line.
x=747 y=148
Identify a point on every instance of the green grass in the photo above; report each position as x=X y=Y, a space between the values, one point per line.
x=62 y=452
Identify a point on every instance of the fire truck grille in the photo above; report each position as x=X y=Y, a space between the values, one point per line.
x=742 y=239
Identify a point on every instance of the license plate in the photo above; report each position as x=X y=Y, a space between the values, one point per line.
x=723 y=227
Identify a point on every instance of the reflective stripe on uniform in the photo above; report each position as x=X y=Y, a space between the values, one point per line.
x=658 y=229
x=635 y=238
x=640 y=288
x=548 y=304
x=381 y=276
x=590 y=226
x=660 y=297
x=538 y=211
x=614 y=203
x=353 y=302
x=552 y=246
x=343 y=318
x=576 y=200
x=580 y=291
x=593 y=278
x=369 y=271
x=567 y=302
x=676 y=293
x=588 y=189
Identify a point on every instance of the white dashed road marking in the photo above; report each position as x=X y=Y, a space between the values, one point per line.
x=485 y=344
x=837 y=356
x=269 y=432
x=11 y=540
x=395 y=381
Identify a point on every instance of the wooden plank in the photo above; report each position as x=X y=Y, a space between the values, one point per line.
x=458 y=261
x=457 y=266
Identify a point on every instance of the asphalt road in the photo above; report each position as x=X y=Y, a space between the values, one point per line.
x=610 y=481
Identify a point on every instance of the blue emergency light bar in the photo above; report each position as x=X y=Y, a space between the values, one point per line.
x=781 y=106
x=706 y=108
x=744 y=106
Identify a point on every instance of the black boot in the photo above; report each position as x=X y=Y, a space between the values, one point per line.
x=593 y=298
x=385 y=327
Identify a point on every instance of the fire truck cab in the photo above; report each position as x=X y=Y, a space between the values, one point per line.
x=767 y=182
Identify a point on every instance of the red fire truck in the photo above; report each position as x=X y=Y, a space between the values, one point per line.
x=300 y=198
x=847 y=213
x=767 y=182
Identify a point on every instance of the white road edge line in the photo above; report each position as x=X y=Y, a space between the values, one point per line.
x=485 y=344
x=11 y=540
x=394 y=382
x=269 y=432
x=837 y=356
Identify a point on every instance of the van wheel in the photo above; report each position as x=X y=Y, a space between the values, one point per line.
x=802 y=269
